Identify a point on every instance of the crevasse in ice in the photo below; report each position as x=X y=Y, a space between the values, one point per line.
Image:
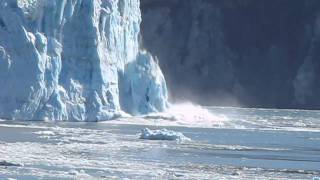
x=76 y=60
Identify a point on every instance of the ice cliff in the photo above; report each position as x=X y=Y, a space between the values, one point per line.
x=76 y=60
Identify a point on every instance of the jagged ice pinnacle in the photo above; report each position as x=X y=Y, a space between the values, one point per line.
x=76 y=60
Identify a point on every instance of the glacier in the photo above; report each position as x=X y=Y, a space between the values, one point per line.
x=75 y=60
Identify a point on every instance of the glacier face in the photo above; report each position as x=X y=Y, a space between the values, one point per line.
x=75 y=60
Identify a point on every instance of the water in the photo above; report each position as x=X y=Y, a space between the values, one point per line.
x=230 y=143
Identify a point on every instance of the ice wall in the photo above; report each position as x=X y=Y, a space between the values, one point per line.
x=71 y=59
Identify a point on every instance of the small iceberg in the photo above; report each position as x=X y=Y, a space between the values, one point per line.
x=162 y=134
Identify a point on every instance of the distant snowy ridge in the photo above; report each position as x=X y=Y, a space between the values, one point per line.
x=76 y=60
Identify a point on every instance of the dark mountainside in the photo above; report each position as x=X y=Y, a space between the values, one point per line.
x=251 y=53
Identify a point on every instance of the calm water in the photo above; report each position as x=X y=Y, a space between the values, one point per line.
x=235 y=144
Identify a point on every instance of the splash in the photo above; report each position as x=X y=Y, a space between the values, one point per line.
x=184 y=114
x=188 y=114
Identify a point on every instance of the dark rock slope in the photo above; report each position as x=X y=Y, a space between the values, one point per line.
x=253 y=53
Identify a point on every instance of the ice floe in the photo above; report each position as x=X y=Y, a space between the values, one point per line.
x=163 y=134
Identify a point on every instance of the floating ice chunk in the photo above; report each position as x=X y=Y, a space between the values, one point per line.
x=162 y=134
x=81 y=174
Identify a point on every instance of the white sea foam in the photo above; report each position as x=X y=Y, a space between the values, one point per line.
x=186 y=115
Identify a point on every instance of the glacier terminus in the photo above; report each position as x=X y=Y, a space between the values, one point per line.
x=75 y=60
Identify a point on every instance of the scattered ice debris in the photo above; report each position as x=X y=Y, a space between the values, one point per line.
x=5 y=163
x=45 y=133
x=79 y=174
x=73 y=172
x=162 y=134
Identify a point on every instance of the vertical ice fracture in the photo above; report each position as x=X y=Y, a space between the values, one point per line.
x=76 y=60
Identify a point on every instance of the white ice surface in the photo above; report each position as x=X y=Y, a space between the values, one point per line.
x=162 y=134
x=75 y=60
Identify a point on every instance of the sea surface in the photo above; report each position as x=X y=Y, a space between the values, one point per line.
x=226 y=143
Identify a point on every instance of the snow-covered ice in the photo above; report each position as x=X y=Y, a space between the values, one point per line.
x=162 y=134
x=75 y=60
